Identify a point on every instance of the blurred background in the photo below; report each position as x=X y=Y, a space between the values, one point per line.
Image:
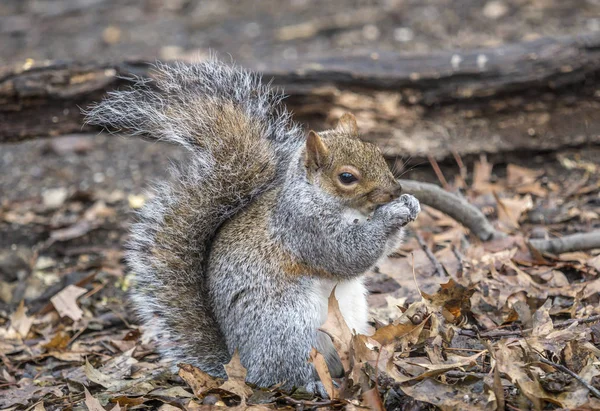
x=263 y=32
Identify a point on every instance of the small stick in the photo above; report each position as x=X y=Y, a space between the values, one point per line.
x=436 y=264
x=461 y=165
x=438 y=172
x=459 y=258
x=562 y=368
x=304 y=403
x=566 y=323
x=509 y=333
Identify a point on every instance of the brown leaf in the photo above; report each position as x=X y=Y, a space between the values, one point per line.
x=236 y=378
x=406 y=330
x=198 y=380
x=373 y=400
x=97 y=376
x=92 y=403
x=317 y=359
x=421 y=367
x=482 y=172
x=450 y=397
x=511 y=209
x=517 y=175
x=335 y=326
x=452 y=300
x=65 y=302
x=58 y=342
x=542 y=323
x=20 y=322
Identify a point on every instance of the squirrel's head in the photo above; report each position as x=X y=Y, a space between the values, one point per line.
x=350 y=169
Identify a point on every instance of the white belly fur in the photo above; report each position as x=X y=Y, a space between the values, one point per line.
x=352 y=299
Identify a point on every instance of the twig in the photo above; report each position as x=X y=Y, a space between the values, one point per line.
x=436 y=264
x=491 y=334
x=459 y=258
x=456 y=207
x=566 y=323
x=509 y=333
x=305 y=403
x=562 y=368
x=569 y=243
x=461 y=166
x=438 y=171
x=463 y=374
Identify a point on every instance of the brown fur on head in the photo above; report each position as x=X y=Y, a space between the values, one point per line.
x=348 y=168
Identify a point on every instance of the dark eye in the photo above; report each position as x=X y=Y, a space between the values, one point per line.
x=347 y=178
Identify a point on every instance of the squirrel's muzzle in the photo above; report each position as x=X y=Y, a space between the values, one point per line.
x=381 y=196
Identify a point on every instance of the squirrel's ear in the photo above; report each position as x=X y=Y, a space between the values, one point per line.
x=348 y=124
x=316 y=151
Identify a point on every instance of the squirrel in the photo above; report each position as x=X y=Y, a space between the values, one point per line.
x=242 y=248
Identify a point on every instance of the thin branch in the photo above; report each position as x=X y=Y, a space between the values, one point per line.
x=492 y=333
x=562 y=368
x=569 y=243
x=517 y=333
x=436 y=264
x=456 y=207
x=566 y=323
x=438 y=171
x=459 y=258
x=305 y=403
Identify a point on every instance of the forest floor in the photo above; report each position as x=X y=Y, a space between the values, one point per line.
x=477 y=341
x=461 y=323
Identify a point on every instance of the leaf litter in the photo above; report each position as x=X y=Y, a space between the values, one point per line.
x=503 y=327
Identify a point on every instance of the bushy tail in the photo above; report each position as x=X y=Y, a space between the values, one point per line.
x=239 y=134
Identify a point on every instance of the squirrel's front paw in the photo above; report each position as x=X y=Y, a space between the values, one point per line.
x=412 y=205
x=402 y=210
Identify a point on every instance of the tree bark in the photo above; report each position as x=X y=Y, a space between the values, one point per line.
x=532 y=96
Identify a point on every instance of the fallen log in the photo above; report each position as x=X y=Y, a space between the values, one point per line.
x=532 y=96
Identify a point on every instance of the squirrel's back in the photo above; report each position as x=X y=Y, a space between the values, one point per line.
x=240 y=136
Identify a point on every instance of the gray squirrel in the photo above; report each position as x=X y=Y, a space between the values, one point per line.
x=242 y=248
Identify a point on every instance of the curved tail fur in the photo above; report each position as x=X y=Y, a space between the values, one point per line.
x=234 y=127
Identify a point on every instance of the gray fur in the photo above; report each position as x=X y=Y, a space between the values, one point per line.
x=230 y=254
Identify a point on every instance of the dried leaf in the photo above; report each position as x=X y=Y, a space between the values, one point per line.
x=406 y=330
x=98 y=377
x=452 y=300
x=92 y=403
x=421 y=367
x=335 y=326
x=20 y=322
x=517 y=175
x=58 y=342
x=373 y=400
x=317 y=359
x=451 y=397
x=511 y=209
x=65 y=302
x=198 y=380
x=236 y=378
x=542 y=323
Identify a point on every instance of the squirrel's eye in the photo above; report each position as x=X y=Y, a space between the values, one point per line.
x=347 y=178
